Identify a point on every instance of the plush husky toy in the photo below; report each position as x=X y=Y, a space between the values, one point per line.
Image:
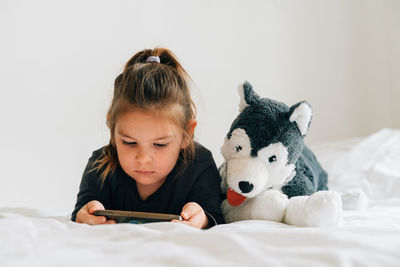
x=268 y=173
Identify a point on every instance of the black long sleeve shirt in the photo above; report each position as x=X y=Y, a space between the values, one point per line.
x=199 y=182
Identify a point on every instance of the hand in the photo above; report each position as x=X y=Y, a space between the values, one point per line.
x=85 y=214
x=193 y=215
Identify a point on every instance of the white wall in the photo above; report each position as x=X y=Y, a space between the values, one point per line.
x=58 y=61
x=392 y=22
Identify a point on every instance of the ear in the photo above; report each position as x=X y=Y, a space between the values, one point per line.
x=191 y=126
x=301 y=113
x=247 y=95
x=190 y=129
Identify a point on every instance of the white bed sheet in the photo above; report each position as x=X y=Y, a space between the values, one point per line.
x=369 y=237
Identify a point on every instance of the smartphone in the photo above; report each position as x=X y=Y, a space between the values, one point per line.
x=134 y=217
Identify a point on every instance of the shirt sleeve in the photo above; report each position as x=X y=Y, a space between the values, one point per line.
x=206 y=191
x=91 y=188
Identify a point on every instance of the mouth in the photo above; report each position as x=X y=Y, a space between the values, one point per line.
x=144 y=172
x=234 y=198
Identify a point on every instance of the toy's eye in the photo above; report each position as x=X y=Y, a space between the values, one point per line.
x=272 y=159
x=237 y=146
x=275 y=156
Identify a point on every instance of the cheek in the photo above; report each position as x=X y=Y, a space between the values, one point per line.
x=166 y=158
x=123 y=156
x=166 y=155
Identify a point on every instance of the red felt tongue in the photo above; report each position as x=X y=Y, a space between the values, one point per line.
x=234 y=199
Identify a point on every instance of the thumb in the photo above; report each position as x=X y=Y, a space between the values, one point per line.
x=94 y=205
x=189 y=210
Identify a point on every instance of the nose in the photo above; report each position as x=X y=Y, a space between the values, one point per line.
x=143 y=156
x=246 y=187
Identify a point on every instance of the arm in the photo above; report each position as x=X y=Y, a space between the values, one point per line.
x=92 y=195
x=206 y=192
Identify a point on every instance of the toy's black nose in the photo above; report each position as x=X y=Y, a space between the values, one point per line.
x=246 y=187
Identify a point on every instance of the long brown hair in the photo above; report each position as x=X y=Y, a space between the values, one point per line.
x=151 y=86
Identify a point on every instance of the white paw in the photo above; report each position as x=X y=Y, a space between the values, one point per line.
x=270 y=205
x=323 y=208
x=354 y=200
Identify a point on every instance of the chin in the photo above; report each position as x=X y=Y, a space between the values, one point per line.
x=147 y=180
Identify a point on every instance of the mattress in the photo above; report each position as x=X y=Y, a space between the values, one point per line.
x=366 y=237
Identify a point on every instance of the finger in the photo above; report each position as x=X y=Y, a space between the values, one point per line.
x=183 y=222
x=85 y=213
x=111 y=222
x=189 y=210
x=93 y=219
x=94 y=205
x=175 y=220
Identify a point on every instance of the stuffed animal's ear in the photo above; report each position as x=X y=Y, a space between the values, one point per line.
x=247 y=95
x=301 y=113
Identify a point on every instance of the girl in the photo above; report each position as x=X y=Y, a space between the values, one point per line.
x=151 y=163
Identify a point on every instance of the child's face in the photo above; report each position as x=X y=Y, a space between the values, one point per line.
x=147 y=146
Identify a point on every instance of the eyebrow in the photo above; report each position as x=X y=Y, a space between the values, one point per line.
x=160 y=138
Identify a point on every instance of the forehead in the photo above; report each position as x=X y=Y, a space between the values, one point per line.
x=144 y=124
x=264 y=124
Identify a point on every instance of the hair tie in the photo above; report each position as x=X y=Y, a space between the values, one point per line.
x=153 y=59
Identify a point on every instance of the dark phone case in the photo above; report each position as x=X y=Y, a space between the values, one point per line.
x=136 y=217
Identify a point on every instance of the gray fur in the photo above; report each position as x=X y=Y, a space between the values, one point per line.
x=267 y=121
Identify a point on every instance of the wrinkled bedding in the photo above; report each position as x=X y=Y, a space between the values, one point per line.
x=368 y=237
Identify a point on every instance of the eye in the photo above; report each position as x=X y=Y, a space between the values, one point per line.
x=237 y=146
x=160 y=145
x=275 y=156
x=128 y=143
